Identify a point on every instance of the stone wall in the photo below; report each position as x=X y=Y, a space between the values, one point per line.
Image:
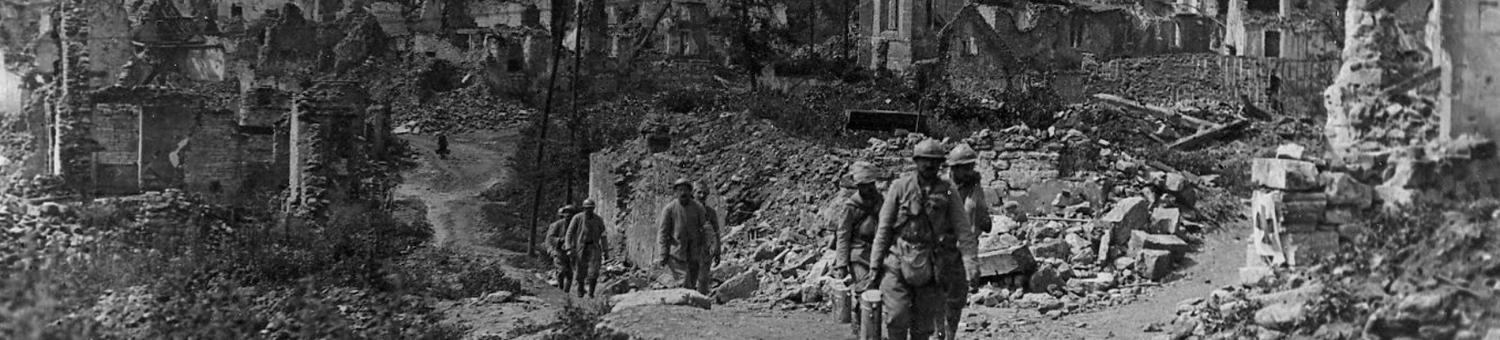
x=1286 y=86
x=117 y=130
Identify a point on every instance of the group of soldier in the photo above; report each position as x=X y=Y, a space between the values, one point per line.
x=918 y=242
x=576 y=240
x=689 y=241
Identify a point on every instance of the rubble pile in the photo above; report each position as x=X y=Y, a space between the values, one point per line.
x=1065 y=243
x=463 y=110
x=1363 y=292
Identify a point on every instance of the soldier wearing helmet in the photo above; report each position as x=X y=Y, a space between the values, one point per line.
x=711 y=240
x=921 y=222
x=861 y=215
x=682 y=241
x=556 y=239
x=586 y=239
x=959 y=268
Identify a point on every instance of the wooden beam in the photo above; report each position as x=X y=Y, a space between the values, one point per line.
x=1207 y=135
x=1165 y=114
x=1414 y=82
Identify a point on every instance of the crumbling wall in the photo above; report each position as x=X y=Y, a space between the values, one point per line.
x=1286 y=86
x=117 y=130
x=1374 y=58
x=109 y=55
x=1466 y=44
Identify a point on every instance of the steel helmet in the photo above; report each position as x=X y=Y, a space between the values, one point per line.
x=682 y=181
x=864 y=173
x=930 y=148
x=588 y=204
x=567 y=209
x=962 y=154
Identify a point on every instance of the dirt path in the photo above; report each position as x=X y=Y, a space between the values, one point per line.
x=450 y=189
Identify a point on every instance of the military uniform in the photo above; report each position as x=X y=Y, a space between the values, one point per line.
x=556 y=240
x=586 y=238
x=856 y=232
x=921 y=224
x=711 y=240
x=957 y=275
x=682 y=241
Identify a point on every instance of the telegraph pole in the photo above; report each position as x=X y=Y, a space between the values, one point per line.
x=536 y=201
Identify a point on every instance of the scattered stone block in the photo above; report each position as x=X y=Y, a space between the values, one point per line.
x=1284 y=174
x=1298 y=296
x=1129 y=214
x=1124 y=263
x=1154 y=264
x=1304 y=249
x=1045 y=277
x=498 y=297
x=1280 y=316
x=1052 y=248
x=992 y=241
x=727 y=270
x=1099 y=283
x=767 y=251
x=1165 y=221
x=1140 y=240
x=741 y=286
x=1076 y=241
x=1338 y=216
x=1344 y=190
x=1395 y=197
x=669 y=297
x=1005 y=261
x=1301 y=207
x=1255 y=275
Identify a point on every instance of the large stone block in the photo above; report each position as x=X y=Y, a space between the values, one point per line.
x=1344 y=190
x=741 y=286
x=1284 y=174
x=1006 y=261
x=1165 y=221
x=1052 y=248
x=1140 y=240
x=1154 y=264
x=671 y=297
x=1045 y=277
x=1304 y=249
x=1129 y=214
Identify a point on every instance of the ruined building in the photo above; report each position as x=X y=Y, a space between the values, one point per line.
x=1045 y=35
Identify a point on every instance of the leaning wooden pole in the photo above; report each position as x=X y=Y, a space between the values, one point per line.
x=541 y=143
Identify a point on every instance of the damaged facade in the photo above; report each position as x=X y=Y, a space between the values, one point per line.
x=902 y=33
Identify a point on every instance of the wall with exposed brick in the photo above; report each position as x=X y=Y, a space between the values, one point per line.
x=117 y=131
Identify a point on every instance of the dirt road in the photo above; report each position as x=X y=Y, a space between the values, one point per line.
x=450 y=189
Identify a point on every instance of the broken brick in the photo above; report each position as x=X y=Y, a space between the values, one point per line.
x=739 y=287
x=1284 y=174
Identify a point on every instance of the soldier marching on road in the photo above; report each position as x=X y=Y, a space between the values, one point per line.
x=556 y=239
x=922 y=221
x=586 y=238
x=683 y=245
x=957 y=275
x=861 y=216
